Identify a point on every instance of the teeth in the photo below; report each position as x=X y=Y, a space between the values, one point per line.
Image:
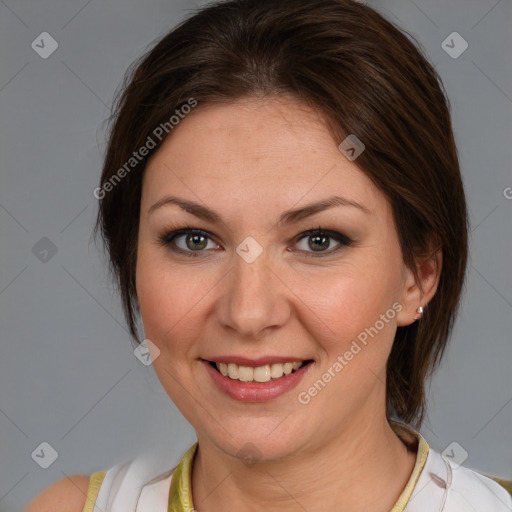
x=276 y=370
x=223 y=367
x=245 y=373
x=262 y=373
x=258 y=373
x=233 y=371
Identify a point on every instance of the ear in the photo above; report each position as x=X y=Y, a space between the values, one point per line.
x=418 y=290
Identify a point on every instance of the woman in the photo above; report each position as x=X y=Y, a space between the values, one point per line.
x=282 y=203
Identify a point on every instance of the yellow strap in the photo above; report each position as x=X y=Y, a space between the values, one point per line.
x=421 y=457
x=95 y=482
x=180 y=494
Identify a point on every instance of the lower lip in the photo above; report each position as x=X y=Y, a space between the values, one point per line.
x=257 y=391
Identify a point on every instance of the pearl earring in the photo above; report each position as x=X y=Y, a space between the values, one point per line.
x=420 y=313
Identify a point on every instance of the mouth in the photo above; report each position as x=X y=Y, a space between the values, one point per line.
x=258 y=374
x=257 y=380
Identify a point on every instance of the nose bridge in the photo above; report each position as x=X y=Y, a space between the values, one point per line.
x=254 y=298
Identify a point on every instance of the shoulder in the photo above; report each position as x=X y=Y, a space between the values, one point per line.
x=445 y=483
x=471 y=488
x=66 y=495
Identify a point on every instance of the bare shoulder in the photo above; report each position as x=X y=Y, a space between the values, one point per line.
x=66 y=495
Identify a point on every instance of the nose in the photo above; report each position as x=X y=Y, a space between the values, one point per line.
x=254 y=299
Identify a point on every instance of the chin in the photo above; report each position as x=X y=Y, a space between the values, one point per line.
x=259 y=440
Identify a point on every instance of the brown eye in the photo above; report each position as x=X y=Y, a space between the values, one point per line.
x=320 y=240
x=195 y=241
x=191 y=242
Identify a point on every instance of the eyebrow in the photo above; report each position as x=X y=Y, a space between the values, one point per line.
x=288 y=217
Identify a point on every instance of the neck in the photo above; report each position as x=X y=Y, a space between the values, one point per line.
x=365 y=468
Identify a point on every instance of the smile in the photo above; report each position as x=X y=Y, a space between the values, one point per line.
x=264 y=380
x=256 y=380
x=263 y=373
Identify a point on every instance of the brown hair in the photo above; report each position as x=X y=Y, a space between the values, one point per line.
x=365 y=77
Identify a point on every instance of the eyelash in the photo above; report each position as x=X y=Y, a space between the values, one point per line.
x=168 y=238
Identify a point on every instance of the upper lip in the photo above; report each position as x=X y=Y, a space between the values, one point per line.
x=259 y=361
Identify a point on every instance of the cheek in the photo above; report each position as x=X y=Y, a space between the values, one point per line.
x=346 y=305
x=168 y=302
x=170 y=299
x=353 y=322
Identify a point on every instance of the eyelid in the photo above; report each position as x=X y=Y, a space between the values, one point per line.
x=340 y=237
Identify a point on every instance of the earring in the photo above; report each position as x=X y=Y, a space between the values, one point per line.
x=420 y=313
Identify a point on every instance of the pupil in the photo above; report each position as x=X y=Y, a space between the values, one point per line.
x=324 y=244
x=196 y=240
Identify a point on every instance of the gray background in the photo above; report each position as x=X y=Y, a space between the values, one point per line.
x=67 y=372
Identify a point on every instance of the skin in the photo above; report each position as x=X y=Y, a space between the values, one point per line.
x=250 y=160
x=66 y=495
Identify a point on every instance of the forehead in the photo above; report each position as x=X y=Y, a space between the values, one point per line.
x=266 y=148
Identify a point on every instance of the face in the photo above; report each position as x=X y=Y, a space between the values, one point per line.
x=233 y=268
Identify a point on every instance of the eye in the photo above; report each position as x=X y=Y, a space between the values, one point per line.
x=194 y=242
x=189 y=241
x=316 y=242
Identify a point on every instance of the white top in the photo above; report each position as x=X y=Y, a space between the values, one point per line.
x=143 y=484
